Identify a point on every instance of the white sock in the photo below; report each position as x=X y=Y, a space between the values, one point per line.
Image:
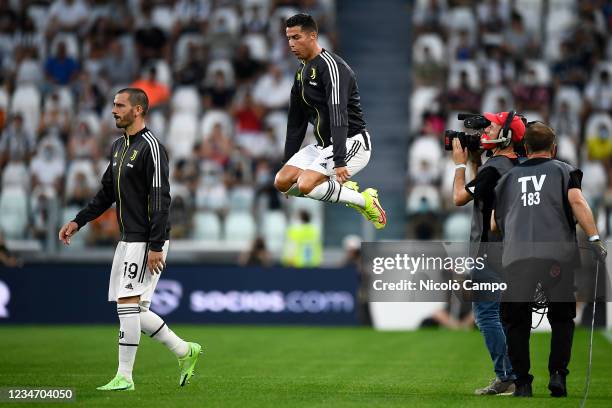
x=334 y=192
x=156 y=328
x=294 y=191
x=129 y=337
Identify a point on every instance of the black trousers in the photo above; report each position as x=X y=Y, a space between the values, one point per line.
x=516 y=317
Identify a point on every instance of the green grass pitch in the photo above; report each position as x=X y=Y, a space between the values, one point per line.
x=254 y=366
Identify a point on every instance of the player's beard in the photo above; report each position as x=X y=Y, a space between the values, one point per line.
x=125 y=121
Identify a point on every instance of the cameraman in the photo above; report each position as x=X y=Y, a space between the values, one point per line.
x=537 y=205
x=504 y=129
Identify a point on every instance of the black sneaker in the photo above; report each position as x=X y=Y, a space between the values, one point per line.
x=556 y=385
x=523 y=390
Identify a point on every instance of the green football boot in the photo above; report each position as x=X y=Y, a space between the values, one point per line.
x=187 y=363
x=373 y=209
x=119 y=383
x=355 y=187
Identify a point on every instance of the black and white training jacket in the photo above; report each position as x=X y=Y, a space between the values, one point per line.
x=137 y=180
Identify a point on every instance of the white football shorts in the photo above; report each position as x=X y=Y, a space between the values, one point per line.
x=316 y=158
x=130 y=275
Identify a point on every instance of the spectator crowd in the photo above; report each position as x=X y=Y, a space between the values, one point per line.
x=218 y=75
x=549 y=60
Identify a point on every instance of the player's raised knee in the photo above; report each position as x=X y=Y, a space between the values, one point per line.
x=282 y=183
x=305 y=185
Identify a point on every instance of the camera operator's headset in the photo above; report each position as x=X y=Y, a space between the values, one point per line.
x=506 y=135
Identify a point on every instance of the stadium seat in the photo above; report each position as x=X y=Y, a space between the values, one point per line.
x=453 y=123
x=273 y=229
x=423 y=198
x=278 y=18
x=531 y=11
x=206 y=226
x=107 y=120
x=456 y=227
x=566 y=150
x=558 y=22
x=182 y=134
x=178 y=189
x=71 y=41
x=596 y=120
x=603 y=66
x=533 y=115
x=424 y=158
x=211 y=196
x=569 y=5
x=462 y=18
x=422 y=98
x=258 y=46
x=328 y=5
x=92 y=120
x=421 y=6
x=571 y=95
x=472 y=71
x=241 y=198
x=260 y=3
x=278 y=122
x=182 y=46
x=325 y=42
x=4 y=100
x=156 y=121
x=239 y=228
x=222 y=65
x=26 y=100
x=78 y=241
x=164 y=73
x=186 y=99
x=491 y=97
x=14 y=212
x=65 y=99
x=594 y=180
x=163 y=17
x=314 y=207
x=282 y=13
x=434 y=43
x=15 y=174
x=29 y=72
x=39 y=13
x=552 y=48
x=230 y=18
x=211 y=118
x=85 y=167
x=542 y=71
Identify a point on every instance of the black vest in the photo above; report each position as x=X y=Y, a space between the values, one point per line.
x=479 y=211
x=533 y=213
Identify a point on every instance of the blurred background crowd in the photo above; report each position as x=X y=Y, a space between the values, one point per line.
x=549 y=60
x=218 y=74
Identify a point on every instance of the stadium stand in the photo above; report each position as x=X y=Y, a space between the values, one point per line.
x=217 y=73
x=549 y=60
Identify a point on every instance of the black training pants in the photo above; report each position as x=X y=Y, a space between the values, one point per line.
x=516 y=316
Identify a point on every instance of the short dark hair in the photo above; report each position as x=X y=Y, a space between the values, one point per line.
x=137 y=97
x=303 y=20
x=539 y=137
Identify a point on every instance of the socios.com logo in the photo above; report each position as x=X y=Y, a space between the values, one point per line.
x=5 y=297
x=272 y=302
x=167 y=298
